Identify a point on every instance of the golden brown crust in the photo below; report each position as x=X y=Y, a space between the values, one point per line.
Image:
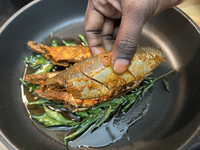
x=92 y=81
x=61 y=55
x=39 y=78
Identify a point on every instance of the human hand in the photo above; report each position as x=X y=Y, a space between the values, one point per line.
x=100 y=26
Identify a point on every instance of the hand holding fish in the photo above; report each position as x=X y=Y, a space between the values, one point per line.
x=100 y=21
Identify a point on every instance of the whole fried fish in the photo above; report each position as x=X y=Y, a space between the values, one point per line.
x=61 y=55
x=92 y=81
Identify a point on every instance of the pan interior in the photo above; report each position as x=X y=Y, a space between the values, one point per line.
x=169 y=103
x=172 y=118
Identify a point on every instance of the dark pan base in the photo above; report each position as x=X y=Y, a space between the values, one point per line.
x=173 y=118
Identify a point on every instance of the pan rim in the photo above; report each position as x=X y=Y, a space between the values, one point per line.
x=16 y=14
x=188 y=18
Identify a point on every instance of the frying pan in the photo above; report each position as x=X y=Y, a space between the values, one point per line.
x=173 y=118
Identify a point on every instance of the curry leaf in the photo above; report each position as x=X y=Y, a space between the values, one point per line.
x=45 y=68
x=113 y=102
x=70 y=65
x=166 y=82
x=40 y=101
x=68 y=43
x=129 y=103
x=146 y=87
x=35 y=60
x=53 y=118
x=148 y=79
x=82 y=114
x=82 y=126
x=103 y=118
x=83 y=39
x=31 y=87
x=94 y=110
x=53 y=41
x=46 y=120
x=57 y=116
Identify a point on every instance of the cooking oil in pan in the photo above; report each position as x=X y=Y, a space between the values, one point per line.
x=116 y=128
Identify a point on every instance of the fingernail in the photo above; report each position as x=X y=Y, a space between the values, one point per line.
x=120 y=66
x=97 y=50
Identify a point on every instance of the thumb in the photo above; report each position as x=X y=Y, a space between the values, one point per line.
x=126 y=42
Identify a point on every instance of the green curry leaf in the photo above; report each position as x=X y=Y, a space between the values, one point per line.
x=57 y=116
x=166 y=82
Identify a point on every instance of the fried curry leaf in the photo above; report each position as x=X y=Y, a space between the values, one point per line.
x=94 y=110
x=35 y=60
x=129 y=103
x=82 y=127
x=31 y=87
x=166 y=82
x=136 y=94
x=103 y=118
x=45 y=68
x=145 y=88
x=53 y=41
x=53 y=118
x=46 y=120
x=57 y=116
x=113 y=102
x=82 y=114
x=148 y=79
x=83 y=39
x=68 y=43
x=39 y=60
x=70 y=65
x=40 y=101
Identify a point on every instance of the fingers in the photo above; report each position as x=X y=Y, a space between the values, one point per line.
x=94 y=21
x=157 y=6
x=173 y=3
x=109 y=8
x=127 y=39
x=98 y=28
x=115 y=32
x=107 y=34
